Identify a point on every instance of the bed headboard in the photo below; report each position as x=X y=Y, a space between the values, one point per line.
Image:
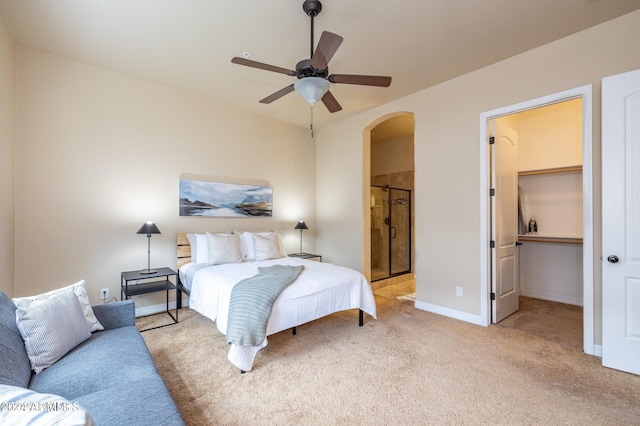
x=183 y=250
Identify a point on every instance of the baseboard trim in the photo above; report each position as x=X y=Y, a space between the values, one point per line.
x=451 y=313
x=552 y=297
x=597 y=350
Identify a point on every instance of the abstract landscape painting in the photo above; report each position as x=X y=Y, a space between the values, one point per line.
x=218 y=199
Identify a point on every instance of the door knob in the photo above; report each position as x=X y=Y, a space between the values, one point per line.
x=613 y=259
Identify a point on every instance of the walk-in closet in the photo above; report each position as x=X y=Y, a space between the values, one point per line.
x=549 y=201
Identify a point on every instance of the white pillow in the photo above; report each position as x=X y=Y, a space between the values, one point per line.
x=33 y=408
x=192 y=246
x=266 y=246
x=223 y=248
x=246 y=246
x=202 y=244
x=50 y=328
x=81 y=294
x=199 y=252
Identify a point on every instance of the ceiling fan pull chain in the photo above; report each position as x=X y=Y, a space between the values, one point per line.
x=311 y=125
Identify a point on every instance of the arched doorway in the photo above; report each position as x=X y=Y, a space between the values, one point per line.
x=389 y=216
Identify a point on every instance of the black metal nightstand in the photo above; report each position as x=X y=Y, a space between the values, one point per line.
x=150 y=283
x=309 y=256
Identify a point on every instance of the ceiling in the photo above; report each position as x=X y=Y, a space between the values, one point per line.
x=188 y=44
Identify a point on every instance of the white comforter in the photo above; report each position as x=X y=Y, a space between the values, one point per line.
x=321 y=289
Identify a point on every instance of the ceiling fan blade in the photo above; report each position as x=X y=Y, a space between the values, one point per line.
x=365 y=80
x=330 y=102
x=260 y=65
x=327 y=47
x=277 y=95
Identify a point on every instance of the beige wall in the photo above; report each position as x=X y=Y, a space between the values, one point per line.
x=550 y=137
x=447 y=154
x=100 y=153
x=392 y=156
x=7 y=100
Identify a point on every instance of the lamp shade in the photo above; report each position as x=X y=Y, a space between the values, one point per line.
x=301 y=225
x=148 y=228
x=312 y=89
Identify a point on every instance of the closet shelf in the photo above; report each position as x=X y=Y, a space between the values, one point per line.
x=565 y=169
x=549 y=239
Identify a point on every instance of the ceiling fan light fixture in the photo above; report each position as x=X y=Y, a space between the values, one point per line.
x=312 y=89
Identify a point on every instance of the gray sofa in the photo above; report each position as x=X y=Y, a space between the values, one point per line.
x=111 y=375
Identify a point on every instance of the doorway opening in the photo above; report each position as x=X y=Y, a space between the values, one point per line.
x=536 y=217
x=390 y=191
x=489 y=286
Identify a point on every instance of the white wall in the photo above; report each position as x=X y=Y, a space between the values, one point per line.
x=447 y=153
x=100 y=153
x=7 y=100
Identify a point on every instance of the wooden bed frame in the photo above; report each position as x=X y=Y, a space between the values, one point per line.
x=183 y=256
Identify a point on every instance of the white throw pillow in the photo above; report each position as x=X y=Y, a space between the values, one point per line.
x=80 y=292
x=50 y=328
x=223 y=248
x=20 y=406
x=266 y=246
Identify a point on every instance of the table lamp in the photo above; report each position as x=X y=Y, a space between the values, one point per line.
x=301 y=226
x=148 y=228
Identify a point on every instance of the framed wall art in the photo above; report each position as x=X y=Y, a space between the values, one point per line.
x=220 y=199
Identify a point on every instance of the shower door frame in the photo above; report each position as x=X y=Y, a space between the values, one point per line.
x=390 y=273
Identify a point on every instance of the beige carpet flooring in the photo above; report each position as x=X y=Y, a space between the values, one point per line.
x=406 y=367
x=558 y=322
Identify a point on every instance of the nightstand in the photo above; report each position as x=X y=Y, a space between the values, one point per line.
x=150 y=283
x=309 y=256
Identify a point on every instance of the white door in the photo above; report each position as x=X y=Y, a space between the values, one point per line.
x=504 y=222
x=621 y=222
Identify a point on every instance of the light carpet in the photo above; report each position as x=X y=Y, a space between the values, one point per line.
x=406 y=367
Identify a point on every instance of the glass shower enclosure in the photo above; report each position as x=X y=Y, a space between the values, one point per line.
x=390 y=232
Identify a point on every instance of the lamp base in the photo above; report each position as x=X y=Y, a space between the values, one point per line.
x=147 y=271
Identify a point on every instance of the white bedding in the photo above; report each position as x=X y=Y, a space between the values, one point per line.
x=321 y=289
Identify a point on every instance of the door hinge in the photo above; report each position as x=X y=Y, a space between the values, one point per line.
x=492 y=244
x=493 y=296
x=492 y=140
x=492 y=192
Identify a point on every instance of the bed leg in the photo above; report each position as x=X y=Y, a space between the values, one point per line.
x=294 y=330
x=361 y=318
x=242 y=371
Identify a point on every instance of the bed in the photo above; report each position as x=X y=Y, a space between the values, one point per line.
x=321 y=288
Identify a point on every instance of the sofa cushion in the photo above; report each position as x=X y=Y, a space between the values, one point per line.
x=78 y=289
x=51 y=328
x=108 y=359
x=140 y=402
x=15 y=368
x=22 y=406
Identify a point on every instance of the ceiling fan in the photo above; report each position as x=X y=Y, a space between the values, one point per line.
x=313 y=74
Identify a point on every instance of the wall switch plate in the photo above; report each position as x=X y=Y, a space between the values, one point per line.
x=104 y=293
x=459 y=291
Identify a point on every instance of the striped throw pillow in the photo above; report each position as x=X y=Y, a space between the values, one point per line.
x=20 y=406
x=51 y=329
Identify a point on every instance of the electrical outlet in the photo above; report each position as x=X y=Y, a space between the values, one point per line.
x=104 y=293
x=459 y=291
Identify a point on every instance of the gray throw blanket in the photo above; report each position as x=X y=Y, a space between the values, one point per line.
x=252 y=300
